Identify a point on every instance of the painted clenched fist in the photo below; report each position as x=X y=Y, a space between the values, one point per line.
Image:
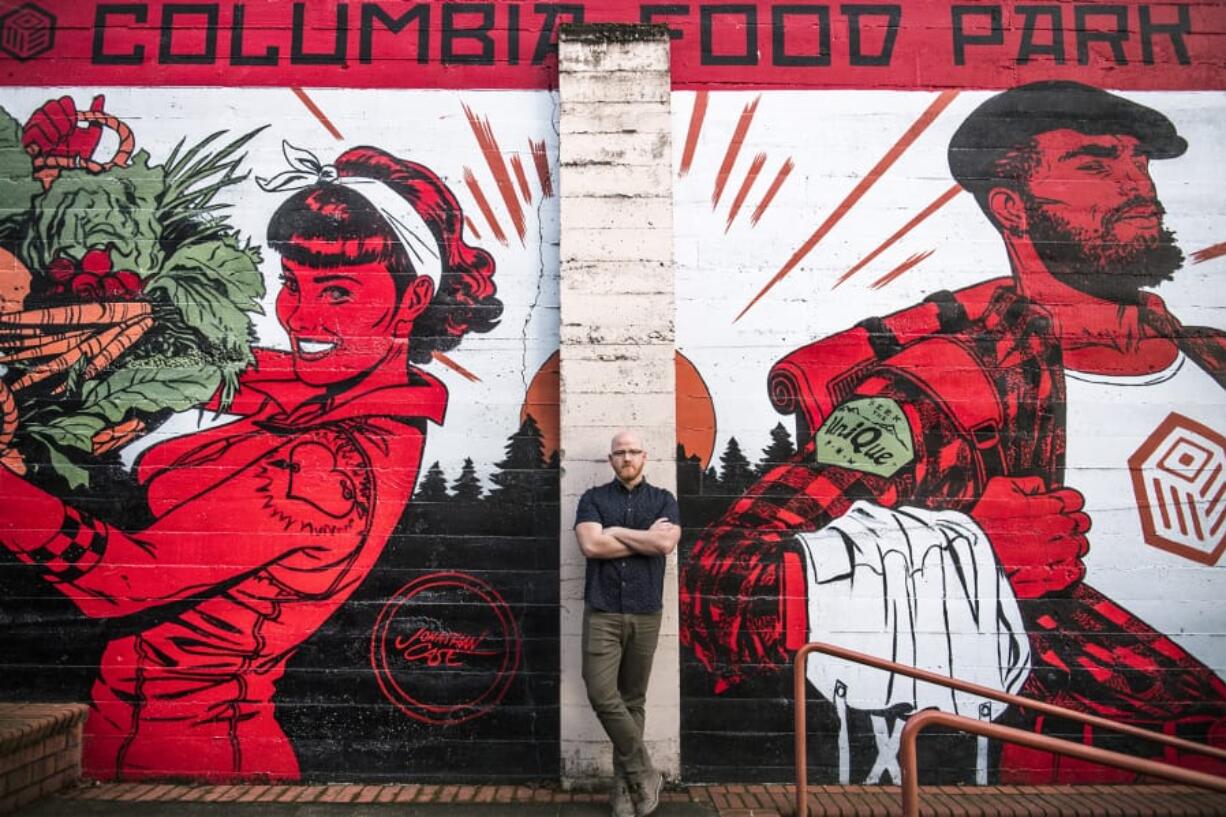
x=1039 y=535
x=53 y=130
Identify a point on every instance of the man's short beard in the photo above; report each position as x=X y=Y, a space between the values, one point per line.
x=1098 y=265
x=638 y=471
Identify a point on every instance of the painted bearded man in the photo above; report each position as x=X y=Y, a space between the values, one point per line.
x=938 y=515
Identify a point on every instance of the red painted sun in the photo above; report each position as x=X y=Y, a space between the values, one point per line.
x=695 y=412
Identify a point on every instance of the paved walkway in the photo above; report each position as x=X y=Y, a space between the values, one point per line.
x=155 y=800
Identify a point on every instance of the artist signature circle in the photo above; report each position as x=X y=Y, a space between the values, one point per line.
x=445 y=648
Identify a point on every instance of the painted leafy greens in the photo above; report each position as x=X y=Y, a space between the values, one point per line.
x=145 y=234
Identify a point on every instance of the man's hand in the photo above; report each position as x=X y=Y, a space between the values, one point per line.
x=1038 y=535
x=658 y=540
x=662 y=525
x=53 y=130
x=597 y=543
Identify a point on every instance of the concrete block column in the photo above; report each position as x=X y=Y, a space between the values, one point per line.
x=617 y=339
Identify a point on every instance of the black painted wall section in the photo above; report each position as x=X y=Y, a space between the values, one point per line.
x=465 y=595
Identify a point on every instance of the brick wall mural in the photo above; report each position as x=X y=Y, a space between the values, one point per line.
x=966 y=366
x=279 y=382
x=276 y=495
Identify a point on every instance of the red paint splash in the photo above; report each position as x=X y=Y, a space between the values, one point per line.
x=498 y=167
x=521 y=178
x=455 y=367
x=893 y=274
x=472 y=228
x=734 y=149
x=937 y=204
x=541 y=159
x=898 y=149
x=483 y=204
x=1209 y=253
x=754 y=169
x=317 y=113
x=780 y=177
x=691 y=137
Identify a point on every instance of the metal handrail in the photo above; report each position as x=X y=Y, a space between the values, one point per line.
x=801 y=733
x=909 y=763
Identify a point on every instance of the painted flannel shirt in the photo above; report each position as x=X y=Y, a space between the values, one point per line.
x=742 y=605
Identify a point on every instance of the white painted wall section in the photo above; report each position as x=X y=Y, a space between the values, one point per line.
x=617 y=335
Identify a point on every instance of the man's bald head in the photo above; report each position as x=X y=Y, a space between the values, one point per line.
x=627 y=456
x=625 y=438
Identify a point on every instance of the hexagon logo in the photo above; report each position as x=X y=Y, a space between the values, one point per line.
x=27 y=31
x=1180 y=485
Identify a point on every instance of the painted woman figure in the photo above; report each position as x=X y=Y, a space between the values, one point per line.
x=264 y=526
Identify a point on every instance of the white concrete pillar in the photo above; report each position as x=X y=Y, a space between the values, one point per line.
x=617 y=340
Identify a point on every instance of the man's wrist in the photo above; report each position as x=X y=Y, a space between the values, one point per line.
x=618 y=534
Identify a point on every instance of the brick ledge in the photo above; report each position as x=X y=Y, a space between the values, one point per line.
x=727 y=800
x=24 y=724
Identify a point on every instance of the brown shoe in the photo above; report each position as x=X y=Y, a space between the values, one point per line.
x=649 y=794
x=620 y=802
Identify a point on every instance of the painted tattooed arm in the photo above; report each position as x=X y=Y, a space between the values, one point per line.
x=304 y=504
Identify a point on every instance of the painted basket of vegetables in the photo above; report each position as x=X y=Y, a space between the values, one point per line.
x=125 y=293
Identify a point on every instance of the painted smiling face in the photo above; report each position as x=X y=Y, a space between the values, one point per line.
x=342 y=321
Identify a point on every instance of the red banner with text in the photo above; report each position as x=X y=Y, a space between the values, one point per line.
x=395 y=44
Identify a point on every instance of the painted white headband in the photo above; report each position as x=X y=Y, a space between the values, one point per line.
x=408 y=225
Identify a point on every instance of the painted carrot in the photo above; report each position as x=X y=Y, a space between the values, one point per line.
x=117 y=436
x=14 y=282
x=41 y=345
x=130 y=333
x=86 y=350
x=79 y=314
x=11 y=459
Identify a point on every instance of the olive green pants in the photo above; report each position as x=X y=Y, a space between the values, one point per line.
x=617 y=652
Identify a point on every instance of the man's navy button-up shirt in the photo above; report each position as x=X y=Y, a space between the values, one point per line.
x=631 y=584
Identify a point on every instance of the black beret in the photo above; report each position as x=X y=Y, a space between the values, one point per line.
x=1011 y=119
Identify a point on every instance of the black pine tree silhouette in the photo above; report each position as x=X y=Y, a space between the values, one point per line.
x=524 y=449
x=780 y=449
x=433 y=487
x=525 y=492
x=736 y=474
x=467 y=487
x=517 y=480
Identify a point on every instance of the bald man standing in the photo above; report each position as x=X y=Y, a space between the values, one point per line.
x=626 y=528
